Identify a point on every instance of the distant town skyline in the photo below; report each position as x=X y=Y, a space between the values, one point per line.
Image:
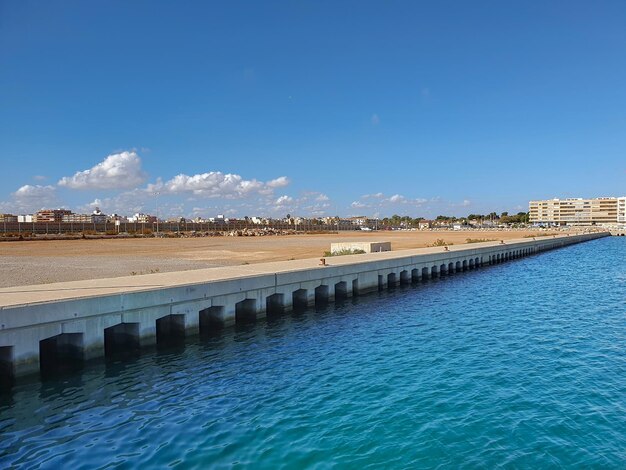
x=310 y=108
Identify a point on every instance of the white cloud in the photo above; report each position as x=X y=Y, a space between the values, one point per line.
x=125 y=203
x=95 y=203
x=117 y=171
x=314 y=196
x=418 y=201
x=316 y=209
x=179 y=195
x=400 y=199
x=283 y=200
x=382 y=203
x=279 y=182
x=381 y=199
x=464 y=203
x=373 y=196
x=31 y=198
x=29 y=192
x=309 y=203
x=90 y=206
x=216 y=184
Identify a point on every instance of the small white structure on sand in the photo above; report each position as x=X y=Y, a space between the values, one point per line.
x=367 y=247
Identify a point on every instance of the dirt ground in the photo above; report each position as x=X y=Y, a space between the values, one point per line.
x=40 y=262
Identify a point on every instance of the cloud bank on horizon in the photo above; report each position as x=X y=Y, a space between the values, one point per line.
x=119 y=184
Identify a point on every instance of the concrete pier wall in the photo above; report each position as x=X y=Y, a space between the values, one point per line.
x=56 y=325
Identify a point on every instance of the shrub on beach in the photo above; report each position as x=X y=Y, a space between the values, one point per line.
x=479 y=240
x=441 y=242
x=344 y=252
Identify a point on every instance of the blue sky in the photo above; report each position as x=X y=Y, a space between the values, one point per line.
x=309 y=107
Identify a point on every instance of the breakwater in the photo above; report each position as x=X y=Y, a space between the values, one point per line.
x=47 y=327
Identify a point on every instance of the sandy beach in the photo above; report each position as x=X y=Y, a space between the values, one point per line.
x=41 y=262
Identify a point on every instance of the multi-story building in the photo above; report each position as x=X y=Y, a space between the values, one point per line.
x=51 y=215
x=117 y=218
x=621 y=210
x=362 y=221
x=576 y=211
x=142 y=218
x=98 y=217
x=8 y=218
x=77 y=218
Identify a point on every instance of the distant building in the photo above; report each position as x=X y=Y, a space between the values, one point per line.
x=330 y=221
x=362 y=221
x=578 y=211
x=98 y=217
x=358 y=220
x=345 y=223
x=117 y=218
x=51 y=215
x=25 y=218
x=77 y=218
x=8 y=218
x=142 y=218
x=220 y=219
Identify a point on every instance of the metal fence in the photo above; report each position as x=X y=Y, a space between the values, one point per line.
x=111 y=228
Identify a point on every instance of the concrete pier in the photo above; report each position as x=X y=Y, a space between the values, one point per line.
x=52 y=326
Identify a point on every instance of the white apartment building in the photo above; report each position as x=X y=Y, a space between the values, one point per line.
x=578 y=211
x=621 y=210
x=142 y=218
x=77 y=218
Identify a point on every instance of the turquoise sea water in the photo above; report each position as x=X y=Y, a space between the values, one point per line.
x=520 y=365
